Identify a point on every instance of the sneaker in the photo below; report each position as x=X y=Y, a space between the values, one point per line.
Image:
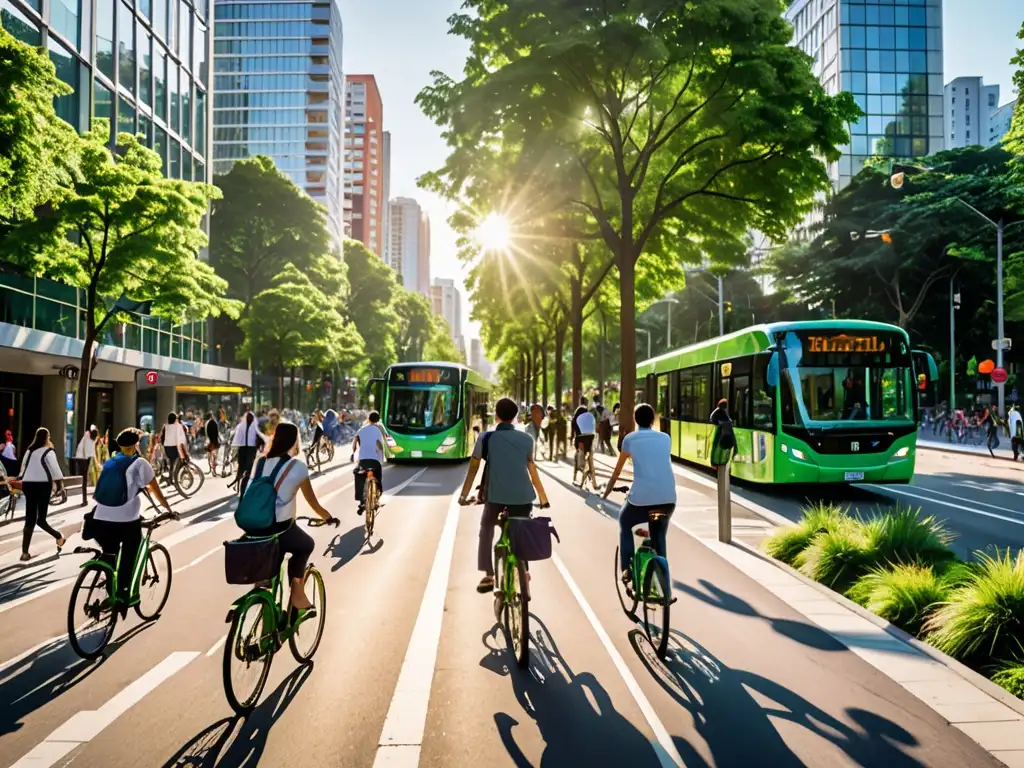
x=360 y=509
x=486 y=585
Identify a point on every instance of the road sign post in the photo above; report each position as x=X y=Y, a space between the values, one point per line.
x=999 y=376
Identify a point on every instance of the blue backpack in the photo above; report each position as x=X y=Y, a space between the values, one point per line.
x=257 y=511
x=112 y=485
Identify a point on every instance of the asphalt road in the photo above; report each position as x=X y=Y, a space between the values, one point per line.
x=413 y=670
x=979 y=498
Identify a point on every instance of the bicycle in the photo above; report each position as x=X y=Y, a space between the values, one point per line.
x=371 y=499
x=583 y=461
x=319 y=453
x=187 y=478
x=650 y=570
x=254 y=645
x=228 y=459
x=59 y=496
x=103 y=599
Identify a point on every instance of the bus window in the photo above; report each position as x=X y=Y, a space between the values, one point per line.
x=763 y=394
x=686 y=396
x=662 y=412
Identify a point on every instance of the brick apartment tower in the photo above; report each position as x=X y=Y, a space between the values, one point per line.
x=364 y=161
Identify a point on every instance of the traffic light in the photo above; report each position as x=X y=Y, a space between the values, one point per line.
x=956 y=300
x=728 y=306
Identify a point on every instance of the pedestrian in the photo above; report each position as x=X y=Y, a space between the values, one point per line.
x=85 y=455
x=212 y=442
x=1016 y=424
x=535 y=427
x=174 y=441
x=246 y=441
x=723 y=439
x=551 y=432
x=9 y=454
x=39 y=472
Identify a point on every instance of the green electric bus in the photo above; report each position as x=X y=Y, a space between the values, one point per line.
x=832 y=401
x=431 y=409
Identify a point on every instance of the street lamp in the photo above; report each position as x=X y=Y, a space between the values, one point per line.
x=644 y=330
x=721 y=292
x=670 y=301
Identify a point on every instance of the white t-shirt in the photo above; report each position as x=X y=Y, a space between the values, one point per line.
x=247 y=435
x=586 y=423
x=86 y=447
x=32 y=466
x=8 y=452
x=289 y=488
x=369 y=436
x=174 y=435
x=139 y=475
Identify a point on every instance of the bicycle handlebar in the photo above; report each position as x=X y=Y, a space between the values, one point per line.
x=317 y=522
x=474 y=501
x=153 y=522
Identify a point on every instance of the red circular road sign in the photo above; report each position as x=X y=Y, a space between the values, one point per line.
x=151 y=377
x=999 y=376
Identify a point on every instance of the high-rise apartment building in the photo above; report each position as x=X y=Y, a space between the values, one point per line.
x=410 y=244
x=889 y=56
x=278 y=91
x=385 y=185
x=364 y=119
x=144 y=66
x=973 y=114
x=450 y=300
x=477 y=359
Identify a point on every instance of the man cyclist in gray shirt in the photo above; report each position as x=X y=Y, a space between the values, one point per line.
x=510 y=480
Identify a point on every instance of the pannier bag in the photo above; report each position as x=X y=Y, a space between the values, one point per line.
x=531 y=538
x=248 y=561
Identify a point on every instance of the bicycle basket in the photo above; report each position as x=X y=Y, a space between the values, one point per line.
x=248 y=561
x=531 y=538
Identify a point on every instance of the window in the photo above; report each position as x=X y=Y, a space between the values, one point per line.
x=184 y=42
x=175 y=160
x=172 y=78
x=66 y=64
x=160 y=146
x=146 y=129
x=18 y=24
x=145 y=8
x=125 y=116
x=160 y=19
x=64 y=16
x=160 y=84
x=126 y=48
x=186 y=107
x=199 y=68
x=102 y=101
x=145 y=67
x=199 y=144
x=763 y=394
x=105 y=37
x=968 y=104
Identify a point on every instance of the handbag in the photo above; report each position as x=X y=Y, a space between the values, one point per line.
x=248 y=561
x=531 y=537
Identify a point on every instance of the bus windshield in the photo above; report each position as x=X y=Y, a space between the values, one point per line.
x=422 y=408
x=831 y=376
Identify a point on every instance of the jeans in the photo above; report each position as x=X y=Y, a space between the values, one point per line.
x=631 y=516
x=127 y=537
x=488 y=520
x=378 y=472
x=37 y=501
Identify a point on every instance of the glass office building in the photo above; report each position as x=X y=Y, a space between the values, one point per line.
x=278 y=91
x=888 y=54
x=142 y=64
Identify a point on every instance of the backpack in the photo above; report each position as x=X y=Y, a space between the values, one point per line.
x=112 y=485
x=481 y=495
x=257 y=511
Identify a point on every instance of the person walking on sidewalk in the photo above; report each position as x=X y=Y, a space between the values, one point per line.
x=174 y=441
x=9 y=454
x=1016 y=424
x=39 y=471
x=85 y=455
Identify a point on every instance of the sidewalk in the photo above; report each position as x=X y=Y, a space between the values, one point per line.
x=936 y=443
x=983 y=711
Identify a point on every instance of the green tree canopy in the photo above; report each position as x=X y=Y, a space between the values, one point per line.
x=415 y=325
x=684 y=123
x=371 y=307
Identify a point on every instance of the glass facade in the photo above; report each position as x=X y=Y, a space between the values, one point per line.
x=278 y=90
x=888 y=54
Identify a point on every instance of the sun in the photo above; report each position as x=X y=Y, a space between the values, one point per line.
x=493 y=233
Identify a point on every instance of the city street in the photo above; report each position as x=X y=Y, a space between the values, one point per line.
x=413 y=670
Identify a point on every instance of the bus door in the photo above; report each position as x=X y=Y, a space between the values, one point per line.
x=650 y=391
x=664 y=422
x=926 y=382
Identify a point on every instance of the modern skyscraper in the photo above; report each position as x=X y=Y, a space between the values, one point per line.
x=278 y=91
x=450 y=304
x=410 y=244
x=973 y=114
x=385 y=185
x=889 y=56
x=477 y=361
x=364 y=119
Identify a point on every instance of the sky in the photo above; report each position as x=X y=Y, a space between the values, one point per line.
x=402 y=41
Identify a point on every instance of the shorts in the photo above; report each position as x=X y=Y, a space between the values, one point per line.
x=584 y=442
x=212 y=447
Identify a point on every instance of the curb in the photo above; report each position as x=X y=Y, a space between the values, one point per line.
x=940 y=448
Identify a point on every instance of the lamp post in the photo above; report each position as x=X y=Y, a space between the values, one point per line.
x=644 y=330
x=670 y=301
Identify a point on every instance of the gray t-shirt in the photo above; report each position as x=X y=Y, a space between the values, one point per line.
x=508 y=454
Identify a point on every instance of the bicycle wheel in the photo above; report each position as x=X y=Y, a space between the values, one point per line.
x=657 y=597
x=325 y=453
x=517 y=613
x=305 y=639
x=189 y=479
x=371 y=498
x=626 y=600
x=91 y=619
x=248 y=652
x=154 y=583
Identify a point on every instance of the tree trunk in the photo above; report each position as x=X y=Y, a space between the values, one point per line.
x=534 y=355
x=600 y=358
x=544 y=373
x=559 y=366
x=294 y=403
x=627 y=324
x=576 y=321
x=530 y=375
x=280 y=385
x=84 y=377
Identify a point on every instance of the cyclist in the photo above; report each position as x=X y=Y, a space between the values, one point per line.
x=583 y=427
x=246 y=441
x=212 y=442
x=1016 y=426
x=510 y=479
x=371 y=442
x=292 y=478
x=120 y=526
x=175 y=442
x=653 y=489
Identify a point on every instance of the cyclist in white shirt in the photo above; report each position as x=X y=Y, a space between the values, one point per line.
x=370 y=442
x=174 y=441
x=246 y=442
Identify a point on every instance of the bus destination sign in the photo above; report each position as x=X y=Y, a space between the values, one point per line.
x=419 y=375
x=844 y=343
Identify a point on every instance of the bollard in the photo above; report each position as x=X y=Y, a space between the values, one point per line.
x=724 y=506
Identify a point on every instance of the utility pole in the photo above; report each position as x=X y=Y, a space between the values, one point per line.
x=952 y=347
x=721 y=313
x=1000 y=387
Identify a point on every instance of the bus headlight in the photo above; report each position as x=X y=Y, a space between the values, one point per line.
x=447 y=444
x=902 y=452
x=799 y=454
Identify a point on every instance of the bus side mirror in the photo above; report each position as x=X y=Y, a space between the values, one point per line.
x=926 y=379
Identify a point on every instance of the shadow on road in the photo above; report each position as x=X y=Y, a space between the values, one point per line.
x=237 y=742
x=573 y=712
x=736 y=713
x=36 y=680
x=344 y=547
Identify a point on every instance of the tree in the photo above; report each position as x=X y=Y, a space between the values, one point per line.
x=440 y=347
x=372 y=305
x=128 y=237
x=685 y=123
x=38 y=151
x=416 y=325
x=1014 y=140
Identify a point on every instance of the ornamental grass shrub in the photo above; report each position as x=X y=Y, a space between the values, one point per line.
x=904 y=537
x=904 y=595
x=837 y=557
x=787 y=543
x=1011 y=677
x=982 y=621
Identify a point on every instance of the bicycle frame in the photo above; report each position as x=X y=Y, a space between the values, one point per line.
x=643 y=556
x=503 y=549
x=140 y=559
x=274 y=615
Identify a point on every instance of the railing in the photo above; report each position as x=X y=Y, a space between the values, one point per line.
x=51 y=307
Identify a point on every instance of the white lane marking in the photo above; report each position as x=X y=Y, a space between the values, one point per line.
x=199 y=559
x=84 y=726
x=216 y=646
x=1004 y=518
x=58 y=640
x=401 y=486
x=884 y=488
x=664 y=747
x=334 y=493
x=402 y=736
